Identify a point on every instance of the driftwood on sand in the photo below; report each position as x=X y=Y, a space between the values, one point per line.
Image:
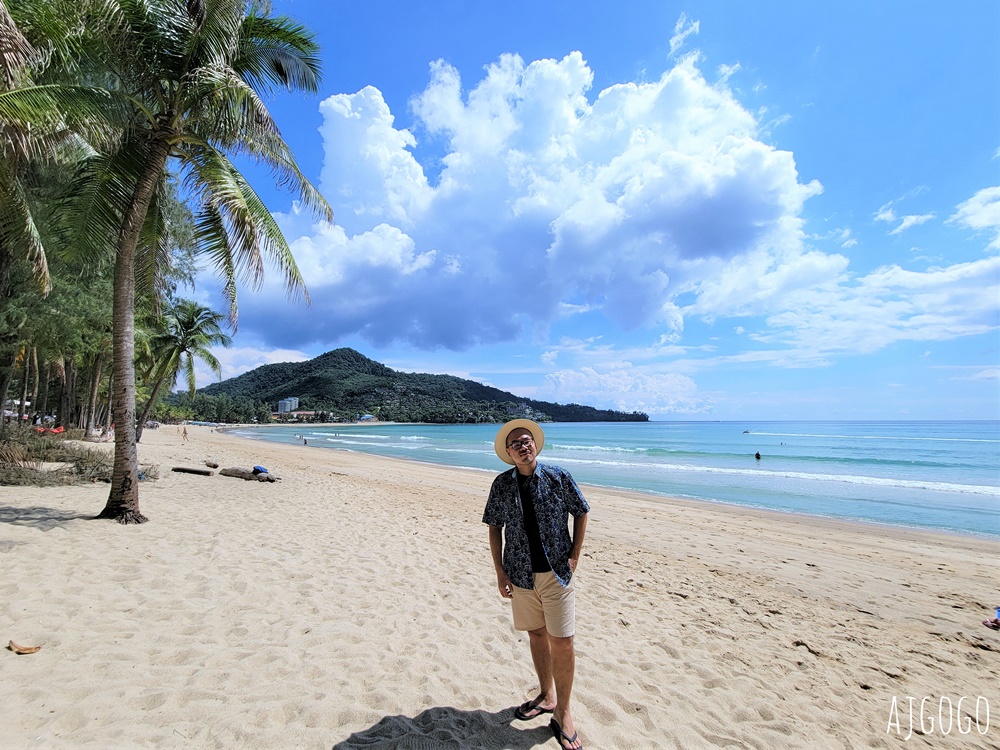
x=247 y=474
x=189 y=470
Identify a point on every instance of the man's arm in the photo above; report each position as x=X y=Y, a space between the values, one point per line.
x=579 y=530
x=496 y=550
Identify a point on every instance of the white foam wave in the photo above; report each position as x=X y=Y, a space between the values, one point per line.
x=595 y=448
x=358 y=439
x=757 y=473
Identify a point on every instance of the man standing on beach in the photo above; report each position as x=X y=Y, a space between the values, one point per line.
x=535 y=558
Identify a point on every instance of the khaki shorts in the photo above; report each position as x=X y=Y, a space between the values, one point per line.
x=550 y=605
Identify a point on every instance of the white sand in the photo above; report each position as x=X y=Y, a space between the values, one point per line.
x=353 y=605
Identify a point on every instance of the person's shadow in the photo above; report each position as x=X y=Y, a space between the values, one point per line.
x=446 y=728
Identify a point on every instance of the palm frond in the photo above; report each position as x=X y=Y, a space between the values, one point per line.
x=241 y=124
x=252 y=231
x=18 y=230
x=226 y=109
x=154 y=257
x=102 y=188
x=277 y=52
x=210 y=230
x=15 y=51
x=95 y=114
x=52 y=29
x=215 y=30
x=158 y=34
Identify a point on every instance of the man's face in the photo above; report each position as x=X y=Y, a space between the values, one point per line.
x=521 y=448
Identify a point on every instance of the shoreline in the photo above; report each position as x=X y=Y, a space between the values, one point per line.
x=352 y=604
x=651 y=496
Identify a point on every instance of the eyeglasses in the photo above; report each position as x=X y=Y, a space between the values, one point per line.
x=518 y=444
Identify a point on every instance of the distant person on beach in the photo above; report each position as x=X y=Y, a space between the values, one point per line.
x=184 y=435
x=535 y=557
x=757 y=455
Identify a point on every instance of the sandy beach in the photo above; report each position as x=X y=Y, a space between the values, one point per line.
x=352 y=604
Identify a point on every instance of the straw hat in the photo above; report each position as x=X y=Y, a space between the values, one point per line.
x=500 y=442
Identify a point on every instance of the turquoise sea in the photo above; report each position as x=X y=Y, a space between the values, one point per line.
x=932 y=475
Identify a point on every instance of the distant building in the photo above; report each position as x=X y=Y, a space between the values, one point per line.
x=288 y=404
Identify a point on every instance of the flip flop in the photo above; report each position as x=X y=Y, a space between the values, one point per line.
x=993 y=624
x=530 y=710
x=561 y=736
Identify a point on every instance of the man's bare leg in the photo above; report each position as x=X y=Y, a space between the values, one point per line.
x=542 y=658
x=562 y=658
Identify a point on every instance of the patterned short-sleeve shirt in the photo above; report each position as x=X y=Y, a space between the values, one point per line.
x=556 y=497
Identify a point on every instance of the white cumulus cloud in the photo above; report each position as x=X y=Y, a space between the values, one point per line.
x=640 y=206
x=564 y=200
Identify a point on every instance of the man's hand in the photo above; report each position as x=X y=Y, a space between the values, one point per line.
x=579 y=529
x=496 y=549
x=504 y=585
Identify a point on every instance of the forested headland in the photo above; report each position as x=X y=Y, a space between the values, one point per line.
x=343 y=384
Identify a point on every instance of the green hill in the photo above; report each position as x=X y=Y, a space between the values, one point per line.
x=344 y=384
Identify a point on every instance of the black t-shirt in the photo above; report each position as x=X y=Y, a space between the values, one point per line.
x=539 y=563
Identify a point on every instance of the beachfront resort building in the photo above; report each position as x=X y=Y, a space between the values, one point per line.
x=288 y=404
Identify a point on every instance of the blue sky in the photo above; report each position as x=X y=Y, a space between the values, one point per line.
x=732 y=211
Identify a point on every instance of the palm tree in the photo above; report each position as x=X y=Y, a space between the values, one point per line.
x=183 y=81
x=189 y=329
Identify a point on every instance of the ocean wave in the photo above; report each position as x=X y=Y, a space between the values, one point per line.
x=601 y=448
x=360 y=438
x=800 y=458
x=917 y=484
x=341 y=440
x=877 y=437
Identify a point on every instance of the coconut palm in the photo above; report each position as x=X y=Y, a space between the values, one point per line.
x=188 y=332
x=182 y=82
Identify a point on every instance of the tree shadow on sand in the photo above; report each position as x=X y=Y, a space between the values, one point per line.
x=39 y=517
x=446 y=728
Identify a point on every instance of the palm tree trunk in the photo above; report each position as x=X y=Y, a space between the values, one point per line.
x=8 y=377
x=34 y=388
x=26 y=373
x=123 y=500
x=141 y=421
x=68 y=387
x=107 y=407
x=95 y=383
x=45 y=390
